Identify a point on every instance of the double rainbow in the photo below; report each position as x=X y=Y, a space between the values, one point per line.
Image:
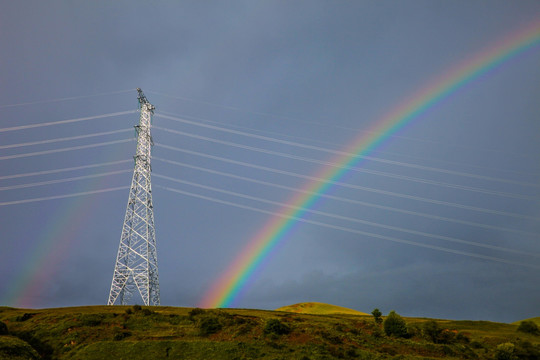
x=225 y=291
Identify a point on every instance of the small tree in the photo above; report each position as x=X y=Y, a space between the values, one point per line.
x=377 y=316
x=394 y=325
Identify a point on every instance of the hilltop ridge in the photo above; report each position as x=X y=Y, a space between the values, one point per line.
x=318 y=308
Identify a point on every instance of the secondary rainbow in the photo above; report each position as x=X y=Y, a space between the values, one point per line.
x=225 y=291
x=39 y=265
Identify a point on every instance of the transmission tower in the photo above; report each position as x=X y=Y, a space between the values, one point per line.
x=136 y=268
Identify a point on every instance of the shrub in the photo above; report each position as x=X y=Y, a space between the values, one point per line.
x=3 y=329
x=121 y=335
x=435 y=334
x=24 y=317
x=209 y=326
x=505 y=351
x=394 y=325
x=147 y=312
x=195 y=312
x=529 y=327
x=14 y=348
x=91 y=319
x=527 y=351
x=414 y=330
x=275 y=326
x=431 y=330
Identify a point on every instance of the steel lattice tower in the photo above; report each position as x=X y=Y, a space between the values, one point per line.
x=136 y=268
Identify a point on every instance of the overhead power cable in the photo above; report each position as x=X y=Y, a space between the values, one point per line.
x=73 y=168
x=16 y=156
x=333 y=125
x=78 y=137
x=54 y=197
x=311 y=140
x=357 y=187
x=347 y=218
x=356 y=169
x=353 y=231
x=66 y=98
x=58 y=181
x=319 y=148
x=59 y=122
x=348 y=200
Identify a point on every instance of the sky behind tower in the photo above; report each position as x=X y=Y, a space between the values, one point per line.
x=251 y=99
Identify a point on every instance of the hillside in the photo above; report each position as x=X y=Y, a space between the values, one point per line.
x=319 y=309
x=122 y=332
x=535 y=320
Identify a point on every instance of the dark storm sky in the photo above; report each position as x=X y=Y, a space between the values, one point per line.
x=312 y=72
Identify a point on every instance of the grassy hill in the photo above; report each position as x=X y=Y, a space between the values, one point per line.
x=319 y=309
x=535 y=320
x=122 y=332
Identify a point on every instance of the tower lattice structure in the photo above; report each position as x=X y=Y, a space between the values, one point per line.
x=136 y=268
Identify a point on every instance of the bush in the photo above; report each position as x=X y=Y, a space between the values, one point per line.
x=147 y=312
x=121 y=335
x=91 y=319
x=505 y=352
x=14 y=348
x=431 y=331
x=394 y=325
x=275 y=326
x=414 y=330
x=195 y=312
x=24 y=317
x=527 y=351
x=209 y=326
x=528 y=327
x=3 y=329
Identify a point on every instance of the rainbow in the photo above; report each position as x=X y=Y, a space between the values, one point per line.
x=227 y=288
x=37 y=268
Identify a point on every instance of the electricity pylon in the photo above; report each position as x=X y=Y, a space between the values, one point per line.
x=136 y=268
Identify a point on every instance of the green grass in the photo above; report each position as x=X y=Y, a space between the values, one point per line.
x=121 y=332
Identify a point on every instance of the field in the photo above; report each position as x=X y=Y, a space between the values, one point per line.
x=134 y=332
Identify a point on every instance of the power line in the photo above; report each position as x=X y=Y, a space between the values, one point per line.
x=348 y=200
x=319 y=148
x=16 y=156
x=331 y=125
x=31 y=126
x=356 y=169
x=58 y=181
x=66 y=98
x=54 y=197
x=358 y=187
x=73 y=168
x=354 y=231
x=346 y=218
x=199 y=120
x=78 y=137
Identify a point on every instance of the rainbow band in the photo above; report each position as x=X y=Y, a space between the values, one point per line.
x=228 y=286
